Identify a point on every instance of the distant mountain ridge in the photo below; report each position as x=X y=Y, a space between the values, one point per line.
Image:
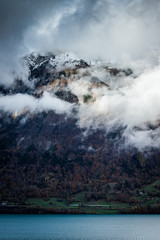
x=47 y=152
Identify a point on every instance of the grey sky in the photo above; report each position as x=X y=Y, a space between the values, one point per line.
x=91 y=28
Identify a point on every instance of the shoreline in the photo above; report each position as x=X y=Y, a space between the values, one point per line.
x=53 y=211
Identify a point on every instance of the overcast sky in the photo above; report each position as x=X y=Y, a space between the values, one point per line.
x=111 y=29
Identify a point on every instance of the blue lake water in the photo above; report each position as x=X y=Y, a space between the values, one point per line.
x=79 y=227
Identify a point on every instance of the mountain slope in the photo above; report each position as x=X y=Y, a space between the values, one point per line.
x=50 y=151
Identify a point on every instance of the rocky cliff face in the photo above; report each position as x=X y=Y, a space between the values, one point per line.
x=46 y=150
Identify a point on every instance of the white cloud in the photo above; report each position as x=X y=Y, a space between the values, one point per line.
x=21 y=102
x=112 y=30
x=134 y=104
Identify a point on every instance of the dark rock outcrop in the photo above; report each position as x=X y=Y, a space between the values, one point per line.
x=67 y=96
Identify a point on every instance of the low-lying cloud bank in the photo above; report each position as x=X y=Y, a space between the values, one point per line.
x=134 y=106
x=20 y=103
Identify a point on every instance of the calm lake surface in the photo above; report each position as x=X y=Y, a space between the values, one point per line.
x=79 y=227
